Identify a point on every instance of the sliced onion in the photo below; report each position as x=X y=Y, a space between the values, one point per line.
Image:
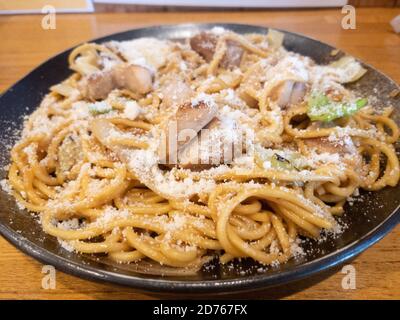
x=348 y=69
x=298 y=92
x=275 y=38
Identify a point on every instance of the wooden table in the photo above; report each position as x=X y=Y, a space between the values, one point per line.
x=24 y=45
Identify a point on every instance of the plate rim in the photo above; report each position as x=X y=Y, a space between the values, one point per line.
x=246 y=283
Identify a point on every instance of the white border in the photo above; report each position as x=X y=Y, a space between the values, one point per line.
x=89 y=8
x=232 y=3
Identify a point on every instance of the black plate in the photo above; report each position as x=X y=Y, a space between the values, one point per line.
x=368 y=221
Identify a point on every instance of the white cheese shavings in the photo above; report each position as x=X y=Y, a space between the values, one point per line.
x=5 y=186
x=218 y=30
x=66 y=245
x=132 y=110
x=203 y=97
x=71 y=224
x=149 y=52
x=99 y=107
x=111 y=214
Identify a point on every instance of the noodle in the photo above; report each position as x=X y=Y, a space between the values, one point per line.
x=91 y=167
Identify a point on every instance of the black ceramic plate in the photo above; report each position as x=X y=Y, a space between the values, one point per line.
x=368 y=221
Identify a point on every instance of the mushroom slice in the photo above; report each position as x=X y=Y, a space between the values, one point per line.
x=220 y=142
x=135 y=78
x=233 y=55
x=175 y=92
x=196 y=154
x=343 y=147
x=205 y=44
x=183 y=126
x=193 y=117
x=324 y=145
x=69 y=153
x=97 y=86
x=102 y=129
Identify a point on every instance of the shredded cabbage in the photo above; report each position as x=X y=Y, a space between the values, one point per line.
x=348 y=69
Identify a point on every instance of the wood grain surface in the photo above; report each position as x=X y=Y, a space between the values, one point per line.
x=24 y=45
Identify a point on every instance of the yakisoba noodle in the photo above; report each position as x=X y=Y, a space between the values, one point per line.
x=89 y=162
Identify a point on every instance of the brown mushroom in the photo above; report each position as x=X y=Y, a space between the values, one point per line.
x=190 y=157
x=175 y=92
x=69 y=153
x=135 y=78
x=344 y=148
x=233 y=55
x=97 y=85
x=180 y=129
x=194 y=117
x=324 y=145
x=205 y=44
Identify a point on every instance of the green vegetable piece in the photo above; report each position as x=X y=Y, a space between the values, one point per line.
x=280 y=162
x=320 y=108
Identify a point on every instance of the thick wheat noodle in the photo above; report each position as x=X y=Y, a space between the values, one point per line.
x=253 y=212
